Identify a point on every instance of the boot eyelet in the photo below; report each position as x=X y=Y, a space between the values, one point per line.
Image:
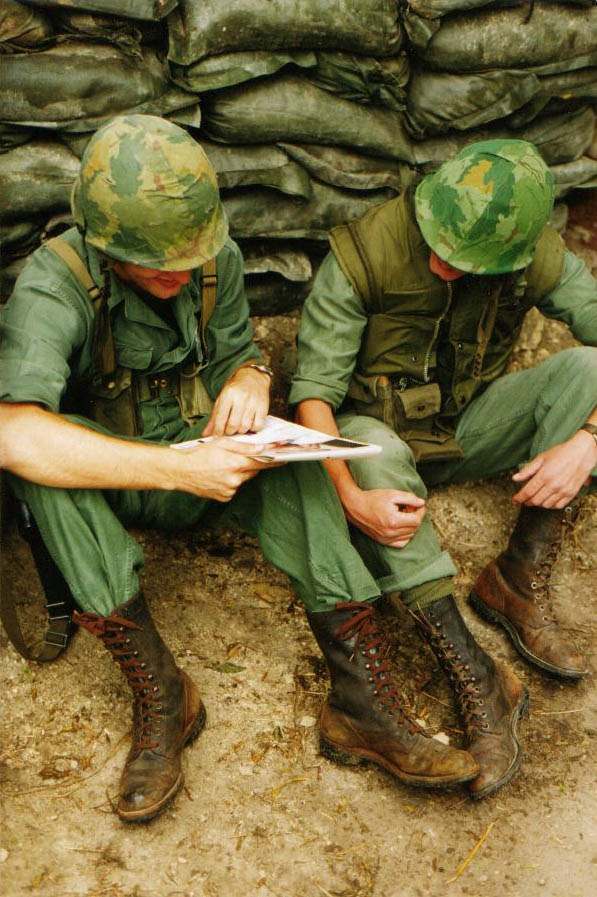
x=484 y=715
x=485 y=726
x=143 y=665
x=367 y=666
x=127 y=641
x=150 y=676
x=155 y=688
x=534 y=585
x=375 y=692
x=370 y=679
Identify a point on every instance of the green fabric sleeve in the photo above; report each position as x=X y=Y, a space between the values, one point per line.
x=332 y=324
x=229 y=332
x=574 y=300
x=46 y=320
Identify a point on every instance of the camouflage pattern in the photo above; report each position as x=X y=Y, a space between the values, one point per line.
x=147 y=193
x=482 y=211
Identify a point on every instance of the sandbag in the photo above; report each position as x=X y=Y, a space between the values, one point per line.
x=250 y=166
x=272 y=294
x=19 y=238
x=209 y=27
x=36 y=178
x=559 y=139
x=129 y=9
x=439 y=101
x=282 y=257
x=228 y=69
x=78 y=85
x=290 y=109
x=347 y=168
x=363 y=79
x=22 y=28
x=579 y=174
x=258 y=213
x=554 y=39
x=123 y=32
x=11 y=136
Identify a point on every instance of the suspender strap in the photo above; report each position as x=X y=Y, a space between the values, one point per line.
x=73 y=260
x=103 y=350
x=209 y=290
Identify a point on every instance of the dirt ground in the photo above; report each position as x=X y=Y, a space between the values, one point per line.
x=262 y=814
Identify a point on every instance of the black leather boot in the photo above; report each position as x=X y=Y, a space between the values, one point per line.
x=167 y=710
x=362 y=718
x=491 y=699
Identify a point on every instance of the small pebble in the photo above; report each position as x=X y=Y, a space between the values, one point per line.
x=441 y=736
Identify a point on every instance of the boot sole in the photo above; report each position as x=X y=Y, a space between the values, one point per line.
x=494 y=616
x=361 y=758
x=520 y=711
x=149 y=813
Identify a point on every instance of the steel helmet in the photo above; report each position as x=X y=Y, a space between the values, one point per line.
x=146 y=193
x=482 y=211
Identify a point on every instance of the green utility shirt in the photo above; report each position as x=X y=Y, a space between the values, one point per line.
x=334 y=319
x=46 y=331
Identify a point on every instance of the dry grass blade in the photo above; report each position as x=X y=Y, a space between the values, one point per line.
x=466 y=862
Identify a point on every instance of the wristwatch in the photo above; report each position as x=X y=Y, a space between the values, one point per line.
x=592 y=429
x=265 y=370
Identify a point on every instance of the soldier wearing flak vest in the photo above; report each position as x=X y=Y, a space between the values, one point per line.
x=405 y=341
x=132 y=332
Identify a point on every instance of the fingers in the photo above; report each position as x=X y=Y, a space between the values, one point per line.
x=407 y=498
x=528 y=470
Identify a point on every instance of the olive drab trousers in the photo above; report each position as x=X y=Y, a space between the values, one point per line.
x=293 y=510
x=517 y=417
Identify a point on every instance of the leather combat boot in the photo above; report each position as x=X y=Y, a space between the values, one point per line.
x=167 y=710
x=514 y=591
x=491 y=699
x=362 y=718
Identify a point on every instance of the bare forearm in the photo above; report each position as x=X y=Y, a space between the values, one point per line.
x=46 y=448
x=319 y=416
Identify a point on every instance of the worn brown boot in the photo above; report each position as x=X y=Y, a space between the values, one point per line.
x=362 y=718
x=491 y=699
x=514 y=591
x=167 y=709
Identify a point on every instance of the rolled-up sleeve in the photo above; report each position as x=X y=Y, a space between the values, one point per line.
x=332 y=324
x=229 y=334
x=574 y=300
x=41 y=326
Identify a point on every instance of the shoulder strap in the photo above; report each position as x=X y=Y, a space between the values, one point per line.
x=209 y=290
x=73 y=260
x=104 y=352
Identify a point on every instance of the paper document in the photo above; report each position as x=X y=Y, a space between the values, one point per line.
x=291 y=442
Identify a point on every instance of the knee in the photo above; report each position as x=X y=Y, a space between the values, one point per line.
x=581 y=363
x=369 y=429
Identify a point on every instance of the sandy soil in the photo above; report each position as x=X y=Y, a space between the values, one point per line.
x=262 y=814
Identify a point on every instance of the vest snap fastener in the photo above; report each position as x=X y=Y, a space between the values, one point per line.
x=163 y=382
x=111 y=384
x=459 y=347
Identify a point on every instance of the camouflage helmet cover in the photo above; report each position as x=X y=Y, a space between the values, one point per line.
x=146 y=193
x=483 y=211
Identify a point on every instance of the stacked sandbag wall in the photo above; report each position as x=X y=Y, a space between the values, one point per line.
x=310 y=112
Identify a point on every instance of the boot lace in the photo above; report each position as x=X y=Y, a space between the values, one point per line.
x=147 y=707
x=540 y=583
x=363 y=628
x=459 y=673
